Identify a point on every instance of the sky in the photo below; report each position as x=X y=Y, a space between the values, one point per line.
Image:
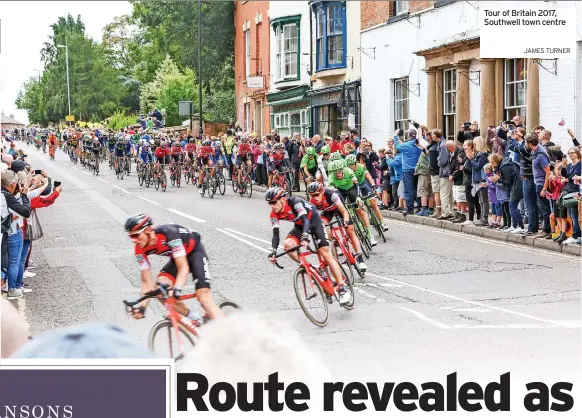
x=25 y=28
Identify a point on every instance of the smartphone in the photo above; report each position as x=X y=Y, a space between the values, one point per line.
x=467 y=126
x=57 y=183
x=37 y=171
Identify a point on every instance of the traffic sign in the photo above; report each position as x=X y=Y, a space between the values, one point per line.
x=70 y=118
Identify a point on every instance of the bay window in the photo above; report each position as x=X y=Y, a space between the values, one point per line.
x=287 y=47
x=330 y=35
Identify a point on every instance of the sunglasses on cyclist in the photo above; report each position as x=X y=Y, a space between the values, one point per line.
x=316 y=194
x=272 y=202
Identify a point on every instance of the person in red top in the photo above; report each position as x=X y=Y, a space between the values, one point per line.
x=346 y=141
x=187 y=256
x=162 y=154
x=191 y=148
x=205 y=153
x=244 y=154
x=52 y=145
x=275 y=163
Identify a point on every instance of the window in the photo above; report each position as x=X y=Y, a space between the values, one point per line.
x=449 y=103
x=515 y=88
x=305 y=123
x=401 y=103
x=248 y=53
x=289 y=123
x=328 y=120
x=400 y=7
x=330 y=35
x=287 y=51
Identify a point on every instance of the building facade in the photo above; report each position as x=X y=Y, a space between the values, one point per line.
x=335 y=62
x=252 y=65
x=290 y=78
x=420 y=61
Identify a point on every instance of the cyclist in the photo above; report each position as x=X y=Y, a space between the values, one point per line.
x=306 y=221
x=244 y=156
x=96 y=150
x=119 y=152
x=330 y=203
x=276 y=157
x=345 y=181
x=364 y=182
x=187 y=256
x=128 y=150
x=111 y=145
x=177 y=155
x=322 y=163
x=205 y=154
x=145 y=153
x=191 y=148
x=309 y=164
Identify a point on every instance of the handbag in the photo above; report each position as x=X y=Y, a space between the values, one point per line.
x=568 y=200
x=33 y=228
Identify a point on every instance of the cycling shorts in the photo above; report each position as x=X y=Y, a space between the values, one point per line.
x=365 y=189
x=316 y=230
x=110 y=147
x=146 y=158
x=177 y=158
x=204 y=161
x=198 y=264
x=164 y=160
x=351 y=195
x=240 y=160
x=119 y=153
x=327 y=216
x=312 y=171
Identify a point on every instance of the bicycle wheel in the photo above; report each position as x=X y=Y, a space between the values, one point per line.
x=249 y=188
x=348 y=278
x=235 y=185
x=361 y=233
x=164 y=333
x=178 y=177
x=211 y=186
x=308 y=292
x=374 y=221
x=147 y=176
x=343 y=260
x=140 y=176
x=157 y=183
x=227 y=305
x=164 y=181
x=187 y=175
x=221 y=183
x=173 y=178
x=96 y=167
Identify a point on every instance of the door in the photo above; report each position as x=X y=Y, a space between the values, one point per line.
x=259 y=118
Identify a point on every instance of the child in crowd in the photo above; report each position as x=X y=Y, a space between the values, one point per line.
x=496 y=212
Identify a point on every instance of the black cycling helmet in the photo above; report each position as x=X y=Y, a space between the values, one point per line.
x=315 y=187
x=207 y=142
x=192 y=140
x=275 y=193
x=137 y=223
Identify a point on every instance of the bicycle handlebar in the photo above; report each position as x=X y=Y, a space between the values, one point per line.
x=290 y=250
x=163 y=289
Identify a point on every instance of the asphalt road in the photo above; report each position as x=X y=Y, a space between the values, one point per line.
x=433 y=300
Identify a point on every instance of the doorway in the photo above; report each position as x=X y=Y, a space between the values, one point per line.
x=259 y=118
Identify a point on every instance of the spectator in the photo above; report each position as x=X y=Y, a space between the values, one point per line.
x=494 y=143
x=385 y=179
x=424 y=190
x=523 y=156
x=433 y=169
x=410 y=154
x=395 y=164
x=541 y=174
x=558 y=213
x=19 y=206
x=468 y=181
x=496 y=211
x=508 y=176
x=445 y=151
x=554 y=152
x=295 y=158
x=481 y=158
x=573 y=170
x=367 y=156
x=318 y=143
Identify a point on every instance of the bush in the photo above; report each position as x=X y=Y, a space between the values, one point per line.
x=120 y=120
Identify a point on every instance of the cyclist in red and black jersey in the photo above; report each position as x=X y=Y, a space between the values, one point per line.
x=187 y=256
x=306 y=221
x=177 y=152
x=205 y=153
x=162 y=154
x=276 y=157
x=331 y=203
x=191 y=148
x=244 y=154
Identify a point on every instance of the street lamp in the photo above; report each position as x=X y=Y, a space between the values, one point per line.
x=68 y=88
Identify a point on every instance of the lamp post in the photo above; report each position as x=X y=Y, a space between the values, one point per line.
x=68 y=87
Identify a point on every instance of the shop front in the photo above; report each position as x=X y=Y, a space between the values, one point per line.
x=336 y=108
x=290 y=111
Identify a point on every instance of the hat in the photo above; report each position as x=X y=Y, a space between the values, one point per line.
x=83 y=341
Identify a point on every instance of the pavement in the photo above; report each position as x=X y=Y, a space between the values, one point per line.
x=433 y=299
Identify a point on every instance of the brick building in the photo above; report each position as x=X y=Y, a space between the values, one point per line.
x=420 y=60
x=252 y=64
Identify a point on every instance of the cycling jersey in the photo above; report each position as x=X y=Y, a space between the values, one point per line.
x=346 y=183
x=360 y=172
x=111 y=143
x=119 y=149
x=329 y=202
x=275 y=160
x=173 y=241
x=310 y=163
x=244 y=149
x=306 y=220
x=205 y=151
x=190 y=149
x=160 y=153
x=176 y=151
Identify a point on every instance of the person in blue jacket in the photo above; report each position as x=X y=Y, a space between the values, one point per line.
x=395 y=164
x=410 y=153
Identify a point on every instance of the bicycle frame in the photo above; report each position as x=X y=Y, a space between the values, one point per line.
x=339 y=233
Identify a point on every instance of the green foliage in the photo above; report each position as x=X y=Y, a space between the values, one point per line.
x=120 y=120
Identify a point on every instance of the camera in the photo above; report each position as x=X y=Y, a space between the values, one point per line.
x=467 y=126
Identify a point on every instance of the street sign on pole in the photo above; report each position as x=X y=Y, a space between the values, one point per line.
x=70 y=118
x=185 y=108
x=255 y=82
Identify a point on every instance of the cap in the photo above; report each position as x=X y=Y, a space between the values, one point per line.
x=18 y=165
x=83 y=341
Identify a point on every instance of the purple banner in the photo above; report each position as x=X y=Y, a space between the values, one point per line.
x=83 y=393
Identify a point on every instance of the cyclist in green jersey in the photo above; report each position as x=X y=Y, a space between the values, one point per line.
x=365 y=182
x=344 y=179
x=309 y=164
x=322 y=162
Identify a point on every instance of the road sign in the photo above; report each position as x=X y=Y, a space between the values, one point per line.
x=70 y=118
x=256 y=82
x=185 y=108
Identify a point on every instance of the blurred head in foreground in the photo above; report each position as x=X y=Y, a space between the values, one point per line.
x=90 y=341
x=248 y=347
x=14 y=331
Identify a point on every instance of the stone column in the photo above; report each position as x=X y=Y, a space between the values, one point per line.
x=439 y=99
x=488 y=96
x=431 y=95
x=462 y=97
x=532 y=99
x=499 y=88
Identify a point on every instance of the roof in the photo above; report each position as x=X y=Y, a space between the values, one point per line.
x=7 y=120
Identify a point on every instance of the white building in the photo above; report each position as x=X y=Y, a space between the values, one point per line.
x=422 y=62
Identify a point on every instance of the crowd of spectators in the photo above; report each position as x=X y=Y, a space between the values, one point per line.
x=24 y=190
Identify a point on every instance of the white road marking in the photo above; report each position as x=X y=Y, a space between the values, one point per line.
x=66 y=164
x=471 y=310
x=482 y=305
x=87 y=174
x=249 y=236
x=390 y=285
x=426 y=318
x=147 y=200
x=75 y=168
x=123 y=190
x=244 y=240
x=363 y=292
x=73 y=203
x=185 y=215
x=507 y=326
x=104 y=181
x=496 y=243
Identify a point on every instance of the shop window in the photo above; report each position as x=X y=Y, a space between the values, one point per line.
x=328 y=120
x=515 y=77
x=450 y=103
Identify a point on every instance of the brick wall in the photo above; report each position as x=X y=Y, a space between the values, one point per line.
x=377 y=12
x=417 y=6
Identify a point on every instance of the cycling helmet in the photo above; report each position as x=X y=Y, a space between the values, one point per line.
x=315 y=187
x=350 y=159
x=335 y=156
x=137 y=223
x=176 y=144
x=192 y=140
x=275 y=193
x=164 y=145
x=310 y=151
x=335 y=165
x=207 y=142
x=325 y=149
